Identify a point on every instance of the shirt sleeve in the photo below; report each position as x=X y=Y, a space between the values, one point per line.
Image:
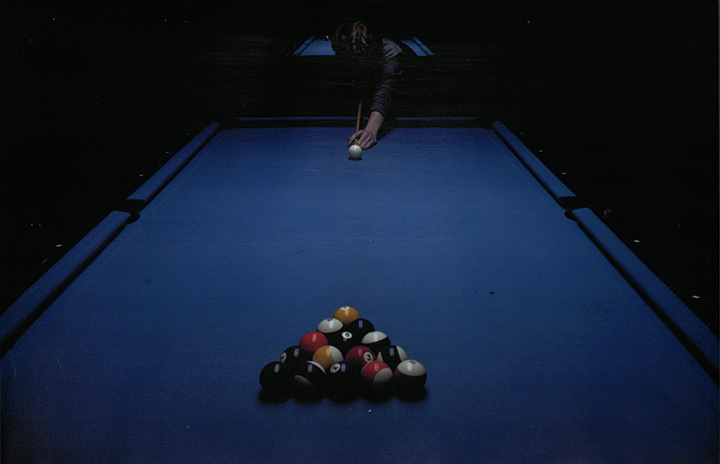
x=391 y=70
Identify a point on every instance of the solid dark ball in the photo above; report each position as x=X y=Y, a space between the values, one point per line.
x=275 y=378
x=360 y=327
x=295 y=357
x=345 y=341
x=343 y=380
x=310 y=381
x=392 y=356
x=376 y=341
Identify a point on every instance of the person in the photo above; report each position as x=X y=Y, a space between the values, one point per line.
x=374 y=64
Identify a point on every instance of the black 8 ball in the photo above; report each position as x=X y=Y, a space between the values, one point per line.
x=345 y=341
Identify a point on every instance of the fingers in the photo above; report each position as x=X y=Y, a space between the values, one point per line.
x=364 y=139
x=352 y=138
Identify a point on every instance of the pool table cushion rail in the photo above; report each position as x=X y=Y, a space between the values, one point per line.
x=30 y=305
x=149 y=189
x=21 y=314
x=697 y=338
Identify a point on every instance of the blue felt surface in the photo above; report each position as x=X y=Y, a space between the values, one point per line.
x=537 y=349
x=22 y=311
x=698 y=337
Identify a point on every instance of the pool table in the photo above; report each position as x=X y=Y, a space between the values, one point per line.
x=544 y=338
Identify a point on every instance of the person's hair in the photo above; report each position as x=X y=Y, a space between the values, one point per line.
x=355 y=38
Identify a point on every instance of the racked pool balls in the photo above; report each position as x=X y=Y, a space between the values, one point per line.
x=359 y=355
x=410 y=375
x=275 y=378
x=309 y=381
x=376 y=341
x=359 y=328
x=392 y=356
x=311 y=341
x=344 y=357
x=343 y=380
x=327 y=355
x=346 y=314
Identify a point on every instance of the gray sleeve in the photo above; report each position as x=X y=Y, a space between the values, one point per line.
x=391 y=70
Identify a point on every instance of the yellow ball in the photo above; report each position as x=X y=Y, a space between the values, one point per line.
x=355 y=152
x=327 y=355
x=346 y=314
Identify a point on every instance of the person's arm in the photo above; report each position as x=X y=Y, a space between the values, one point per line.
x=367 y=138
x=391 y=70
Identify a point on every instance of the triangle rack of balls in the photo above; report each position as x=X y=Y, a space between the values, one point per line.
x=343 y=358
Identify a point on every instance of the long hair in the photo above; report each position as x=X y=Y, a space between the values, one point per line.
x=355 y=38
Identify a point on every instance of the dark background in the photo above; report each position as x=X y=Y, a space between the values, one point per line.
x=619 y=100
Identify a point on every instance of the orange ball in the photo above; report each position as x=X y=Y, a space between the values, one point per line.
x=327 y=355
x=346 y=314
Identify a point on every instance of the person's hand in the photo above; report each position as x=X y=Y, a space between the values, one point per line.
x=365 y=138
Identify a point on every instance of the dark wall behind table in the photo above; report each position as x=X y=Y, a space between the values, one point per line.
x=619 y=100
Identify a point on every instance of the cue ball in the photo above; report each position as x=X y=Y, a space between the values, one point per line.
x=355 y=152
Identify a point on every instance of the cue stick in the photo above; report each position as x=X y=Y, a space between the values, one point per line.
x=357 y=121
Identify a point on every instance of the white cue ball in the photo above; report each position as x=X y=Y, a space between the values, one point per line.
x=355 y=152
